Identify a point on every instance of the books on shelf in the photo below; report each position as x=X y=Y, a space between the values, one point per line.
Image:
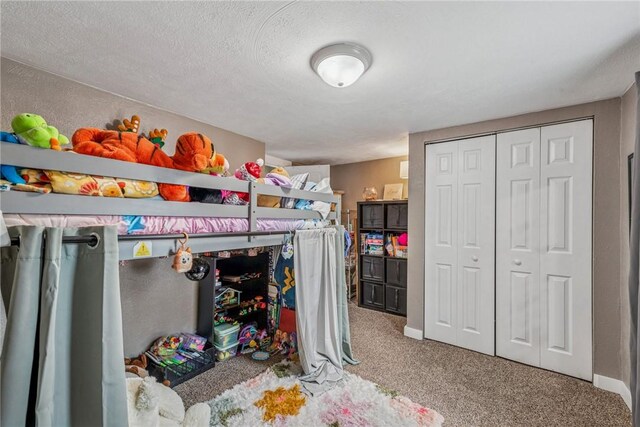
x=372 y=243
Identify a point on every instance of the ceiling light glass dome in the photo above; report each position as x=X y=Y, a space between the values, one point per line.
x=341 y=65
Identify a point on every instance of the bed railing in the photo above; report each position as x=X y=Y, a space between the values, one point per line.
x=17 y=202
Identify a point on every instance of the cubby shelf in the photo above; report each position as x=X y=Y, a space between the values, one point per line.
x=382 y=278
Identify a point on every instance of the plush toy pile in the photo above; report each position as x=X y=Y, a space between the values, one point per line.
x=194 y=152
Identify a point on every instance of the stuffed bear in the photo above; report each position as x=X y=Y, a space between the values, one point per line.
x=32 y=129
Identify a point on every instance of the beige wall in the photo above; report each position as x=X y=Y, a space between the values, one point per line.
x=628 y=117
x=353 y=177
x=69 y=105
x=155 y=300
x=606 y=215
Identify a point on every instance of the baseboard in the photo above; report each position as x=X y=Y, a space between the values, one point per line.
x=609 y=384
x=416 y=334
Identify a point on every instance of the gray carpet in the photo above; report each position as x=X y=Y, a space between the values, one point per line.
x=467 y=388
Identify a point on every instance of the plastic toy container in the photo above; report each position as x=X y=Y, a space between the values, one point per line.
x=225 y=335
x=225 y=352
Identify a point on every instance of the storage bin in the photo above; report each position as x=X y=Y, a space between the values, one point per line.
x=226 y=334
x=225 y=352
x=177 y=374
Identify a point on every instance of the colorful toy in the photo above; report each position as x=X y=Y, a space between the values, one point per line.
x=219 y=166
x=183 y=259
x=10 y=173
x=166 y=347
x=130 y=125
x=249 y=171
x=32 y=129
x=157 y=136
x=247 y=338
x=219 y=319
x=228 y=297
x=193 y=342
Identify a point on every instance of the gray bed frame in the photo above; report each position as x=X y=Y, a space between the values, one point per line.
x=17 y=202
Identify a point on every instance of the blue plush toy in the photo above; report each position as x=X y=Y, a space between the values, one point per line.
x=10 y=173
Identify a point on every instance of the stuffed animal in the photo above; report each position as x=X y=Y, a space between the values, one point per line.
x=31 y=129
x=218 y=166
x=131 y=147
x=8 y=172
x=249 y=171
x=183 y=260
x=157 y=136
x=278 y=176
x=153 y=404
x=196 y=153
x=130 y=125
x=137 y=366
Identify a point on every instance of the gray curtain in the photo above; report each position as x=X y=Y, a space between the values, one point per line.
x=342 y=301
x=634 y=272
x=61 y=363
x=321 y=308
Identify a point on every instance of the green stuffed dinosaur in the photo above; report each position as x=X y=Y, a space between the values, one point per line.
x=31 y=129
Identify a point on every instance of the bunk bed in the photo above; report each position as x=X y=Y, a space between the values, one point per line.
x=35 y=267
x=211 y=227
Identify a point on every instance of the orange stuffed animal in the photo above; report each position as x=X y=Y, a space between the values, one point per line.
x=194 y=152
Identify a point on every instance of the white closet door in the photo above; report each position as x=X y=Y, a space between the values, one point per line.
x=460 y=236
x=565 y=243
x=476 y=244
x=517 y=246
x=441 y=235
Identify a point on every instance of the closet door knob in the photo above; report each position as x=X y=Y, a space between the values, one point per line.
x=517 y=262
x=474 y=258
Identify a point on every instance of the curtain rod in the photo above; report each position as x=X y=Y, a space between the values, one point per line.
x=92 y=239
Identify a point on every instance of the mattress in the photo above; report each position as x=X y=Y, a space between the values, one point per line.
x=163 y=225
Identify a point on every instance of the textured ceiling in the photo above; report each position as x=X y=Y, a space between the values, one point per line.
x=244 y=66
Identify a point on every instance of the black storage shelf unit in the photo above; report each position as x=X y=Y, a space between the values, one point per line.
x=251 y=288
x=383 y=278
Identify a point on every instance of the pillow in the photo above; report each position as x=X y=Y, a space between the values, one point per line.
x=70 y=183
x=33 y=176
x=108 y=186
x=134 y=189
x=298 y=182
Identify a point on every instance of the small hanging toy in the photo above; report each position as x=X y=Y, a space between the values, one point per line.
x=183 y=259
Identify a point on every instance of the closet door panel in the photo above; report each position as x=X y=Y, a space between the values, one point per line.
x=565 y=255
x=476 y=244
x=441 y=243
x=517 y=246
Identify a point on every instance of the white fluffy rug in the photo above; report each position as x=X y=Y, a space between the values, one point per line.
x=275 y=398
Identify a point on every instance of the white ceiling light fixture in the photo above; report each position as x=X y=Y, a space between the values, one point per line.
x=340 y=65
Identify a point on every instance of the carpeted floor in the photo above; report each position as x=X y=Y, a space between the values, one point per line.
x=466 y=387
